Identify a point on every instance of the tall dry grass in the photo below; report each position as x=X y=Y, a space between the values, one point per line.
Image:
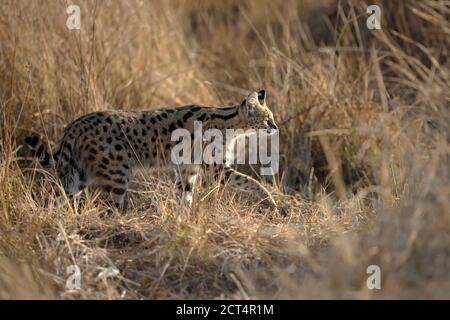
x=364 y=124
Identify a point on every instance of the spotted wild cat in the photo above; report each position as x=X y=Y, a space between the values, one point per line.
x=104 y=149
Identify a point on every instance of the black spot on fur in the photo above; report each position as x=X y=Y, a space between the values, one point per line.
x=121 y=173
x=32 y=141
x=202 y=117
x=227 y=173
x=103 y=175
x=187 y=116
x=118 y=191
x=107 y=188
x=119 y=181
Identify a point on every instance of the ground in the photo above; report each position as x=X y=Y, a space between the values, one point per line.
x=364 y=149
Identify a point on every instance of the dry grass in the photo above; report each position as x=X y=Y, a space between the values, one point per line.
x=364 y=119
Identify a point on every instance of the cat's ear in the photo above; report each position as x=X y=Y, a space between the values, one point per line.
x=248 y=105
x=243 y=110
x=262 y=96
x=252 y=101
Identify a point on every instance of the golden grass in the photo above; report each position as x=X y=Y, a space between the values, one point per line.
x=364 y=120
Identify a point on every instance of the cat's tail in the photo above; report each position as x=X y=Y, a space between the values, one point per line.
x=39 y=150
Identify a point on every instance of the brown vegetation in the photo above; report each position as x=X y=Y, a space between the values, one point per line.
x=364 y=134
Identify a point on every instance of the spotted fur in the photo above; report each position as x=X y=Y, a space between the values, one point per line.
x=104 y=149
